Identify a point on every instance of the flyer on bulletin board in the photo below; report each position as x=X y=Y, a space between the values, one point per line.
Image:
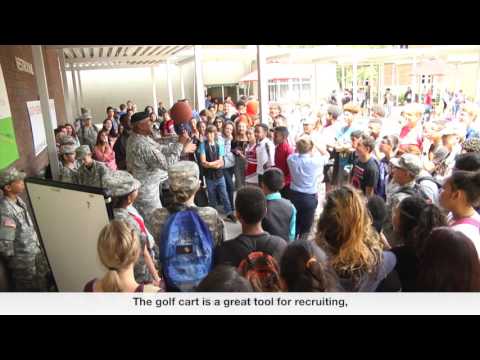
x=8 y=143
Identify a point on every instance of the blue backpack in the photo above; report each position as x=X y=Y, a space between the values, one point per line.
x=186 y=249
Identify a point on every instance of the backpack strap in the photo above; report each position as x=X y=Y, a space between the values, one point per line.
x=429 y=178
x=467 y=221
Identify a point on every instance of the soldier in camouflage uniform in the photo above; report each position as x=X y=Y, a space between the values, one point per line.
x=88 y=132
x=184 y=183
x=68 y=164
x=19 y=244
x=91 y=172
x=124 y=188
x=148 y=161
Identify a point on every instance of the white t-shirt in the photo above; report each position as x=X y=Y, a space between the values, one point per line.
x=471 y=231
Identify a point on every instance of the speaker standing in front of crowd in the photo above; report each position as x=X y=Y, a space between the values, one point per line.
x=19 y=244
x=147 y=161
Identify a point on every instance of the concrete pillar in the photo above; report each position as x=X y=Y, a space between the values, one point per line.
x=42 y=86
x=169 y=84
x=414 y=79
x=66 y=95
x=262 y=84
x=75 y=93
x=82 y=102
x=199 y=90
x=154 y=89
x=182 y=85
x=354 y=90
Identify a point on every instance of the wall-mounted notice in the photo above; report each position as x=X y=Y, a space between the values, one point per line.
x=8 y=143
x=38 y=128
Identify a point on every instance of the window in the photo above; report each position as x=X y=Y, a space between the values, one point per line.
x=291 y=89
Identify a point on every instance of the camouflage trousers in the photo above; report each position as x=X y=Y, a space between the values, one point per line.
x=30 y=273
x=147 y=201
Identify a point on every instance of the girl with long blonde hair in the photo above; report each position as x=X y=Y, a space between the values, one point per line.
x=118 y=249
x=354 y=249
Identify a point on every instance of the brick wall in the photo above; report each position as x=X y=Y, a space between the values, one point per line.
x=22 y=87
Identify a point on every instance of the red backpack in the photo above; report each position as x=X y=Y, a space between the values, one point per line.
x=262 y=271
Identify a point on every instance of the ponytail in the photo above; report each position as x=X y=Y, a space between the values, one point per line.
x=118 y=247
x=301 y=271
x=111 y=281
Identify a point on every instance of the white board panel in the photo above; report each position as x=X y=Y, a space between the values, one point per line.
x=69 y=222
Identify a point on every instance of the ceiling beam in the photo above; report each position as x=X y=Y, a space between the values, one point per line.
x=119 y=58
x=106 y=67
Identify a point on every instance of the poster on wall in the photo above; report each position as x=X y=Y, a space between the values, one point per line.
x=8 y=143
x=38 y=128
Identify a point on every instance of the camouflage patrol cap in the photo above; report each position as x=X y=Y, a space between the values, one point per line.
x=68 y=149
x=10 y=175
x=472 y=145
x=66 y=140
x=82 y=151
x=121 y=183
x=183 y=175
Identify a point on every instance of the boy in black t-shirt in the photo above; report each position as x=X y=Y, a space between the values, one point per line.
x=365 y=173
x=251 y=207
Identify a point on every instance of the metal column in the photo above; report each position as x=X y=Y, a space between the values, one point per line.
x=262 y=85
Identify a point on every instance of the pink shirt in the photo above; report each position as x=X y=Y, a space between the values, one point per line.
x=107 y=157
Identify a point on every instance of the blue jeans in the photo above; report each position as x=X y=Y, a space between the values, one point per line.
x=228 y=174
x=219 y=187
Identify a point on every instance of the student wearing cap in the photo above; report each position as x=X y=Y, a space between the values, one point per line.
x=88 y=132
x=19 y=244
x=148 y=161
x=184 y=184
x=68 y=163
x=124 y=188
x=90 y=172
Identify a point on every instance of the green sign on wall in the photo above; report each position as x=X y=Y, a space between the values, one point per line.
x=8 y=143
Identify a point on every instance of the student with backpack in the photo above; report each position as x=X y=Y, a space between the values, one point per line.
x=460 y=194
x=186 y=234
x=251 y=207
x=281 y=215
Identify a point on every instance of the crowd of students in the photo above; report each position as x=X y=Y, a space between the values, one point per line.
x=398 y=198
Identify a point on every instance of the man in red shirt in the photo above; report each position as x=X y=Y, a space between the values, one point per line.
x=282 y=151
